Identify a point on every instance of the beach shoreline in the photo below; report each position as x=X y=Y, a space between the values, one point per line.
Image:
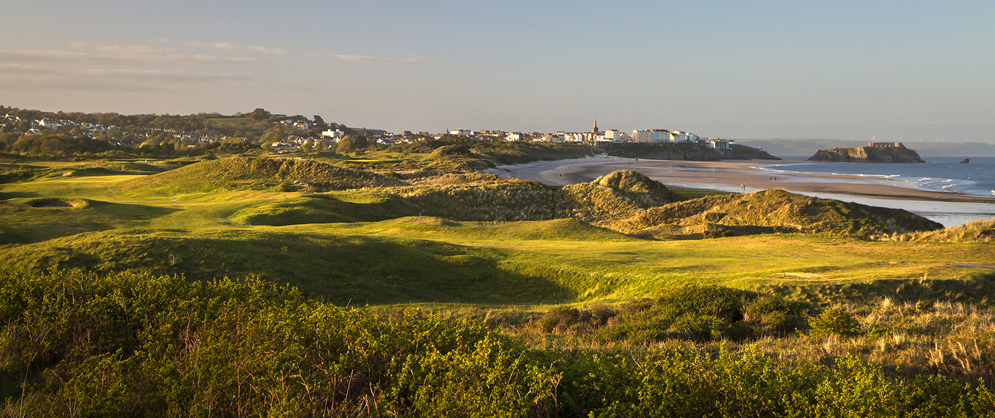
x=736 y=176
x=728 y=174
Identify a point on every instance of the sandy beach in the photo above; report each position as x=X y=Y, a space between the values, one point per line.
x=946 y=208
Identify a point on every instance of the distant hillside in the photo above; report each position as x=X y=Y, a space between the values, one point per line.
x=872 y=153
x=804 y=146
x=255 y=174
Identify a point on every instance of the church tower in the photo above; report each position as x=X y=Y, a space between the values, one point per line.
x=595 y=129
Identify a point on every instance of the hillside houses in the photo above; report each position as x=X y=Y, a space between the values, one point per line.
x=297 y=132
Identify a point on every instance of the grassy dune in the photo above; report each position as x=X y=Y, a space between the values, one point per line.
x=238 y=173
x=978 y=231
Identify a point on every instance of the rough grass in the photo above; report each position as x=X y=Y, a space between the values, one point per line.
x=254 y=174
x=779 y=210
x=982 y=230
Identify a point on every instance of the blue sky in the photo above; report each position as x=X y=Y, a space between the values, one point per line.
x=891 y=71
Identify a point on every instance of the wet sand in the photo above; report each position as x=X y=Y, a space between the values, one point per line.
x=723 y=175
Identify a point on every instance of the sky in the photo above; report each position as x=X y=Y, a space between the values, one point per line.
x=865 y=70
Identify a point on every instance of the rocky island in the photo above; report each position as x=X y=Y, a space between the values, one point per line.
x=874 y=152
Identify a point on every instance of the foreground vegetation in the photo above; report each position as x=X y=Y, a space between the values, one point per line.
x=79 y=344
x=406 y=282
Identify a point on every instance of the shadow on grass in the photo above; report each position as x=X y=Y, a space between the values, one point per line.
x=130 y=212
x=977 y=289
x=17 y=195
x=24 y=224
x=323 y=209
x=354 y=270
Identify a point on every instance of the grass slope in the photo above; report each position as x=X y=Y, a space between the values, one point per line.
x=339 y=268
x=254 y=174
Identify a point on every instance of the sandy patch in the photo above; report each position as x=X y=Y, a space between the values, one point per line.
x=54 y=204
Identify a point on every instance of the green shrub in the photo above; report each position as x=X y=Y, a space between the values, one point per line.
x=560 y=317
x=834 y=321
x=723 y=302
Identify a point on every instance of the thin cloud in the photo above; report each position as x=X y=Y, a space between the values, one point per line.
x=26 y=55
x=371 y=60
x=364 y=59
x=239 y=48
x=112 y=53
x=33 y=74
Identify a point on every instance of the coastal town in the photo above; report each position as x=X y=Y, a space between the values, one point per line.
x=287 y=134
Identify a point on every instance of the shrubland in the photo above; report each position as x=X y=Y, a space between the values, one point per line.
x=81 y=344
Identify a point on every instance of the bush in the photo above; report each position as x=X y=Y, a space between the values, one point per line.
x=560 y=317
x=834 y=321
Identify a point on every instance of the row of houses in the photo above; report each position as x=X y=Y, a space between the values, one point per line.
x=36 y=126
x=657 y=136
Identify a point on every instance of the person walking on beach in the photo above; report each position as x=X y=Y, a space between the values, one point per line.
x=742 y=187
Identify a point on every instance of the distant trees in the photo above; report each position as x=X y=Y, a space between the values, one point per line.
x=319 y=123
x=259 y=114
x=160 y=134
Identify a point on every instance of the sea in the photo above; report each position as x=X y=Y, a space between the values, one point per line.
x=937 y=174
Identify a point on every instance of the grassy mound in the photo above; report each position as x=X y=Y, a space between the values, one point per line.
x=458 y=158
x=619 y=194
x=342 y=269
x=982 y=230
x=255 y=174
x=57 y=203
x=555 y=230
x=327 y=208
x=784 y=211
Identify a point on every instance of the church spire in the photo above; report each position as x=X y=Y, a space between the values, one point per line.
x=595 y=129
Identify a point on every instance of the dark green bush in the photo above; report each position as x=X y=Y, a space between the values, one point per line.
x=834 y=321
x=723 y=302
x=559 y=317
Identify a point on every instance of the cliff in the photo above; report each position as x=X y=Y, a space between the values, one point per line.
x=684 y=151
x=869 y=154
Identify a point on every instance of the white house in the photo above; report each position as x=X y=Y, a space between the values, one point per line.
x=614 y=135
x=336 y=134
x=514 y=136
x=48 y=123
x=718 y=143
